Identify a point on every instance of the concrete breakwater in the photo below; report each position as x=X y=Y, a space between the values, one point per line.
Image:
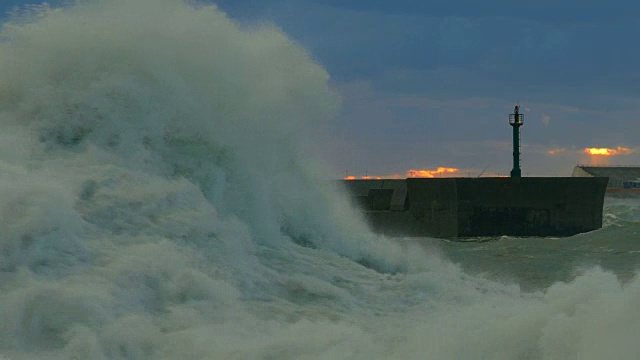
x=469 y=207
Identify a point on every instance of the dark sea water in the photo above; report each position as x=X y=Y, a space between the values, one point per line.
x=536 y=263
x=159 y=199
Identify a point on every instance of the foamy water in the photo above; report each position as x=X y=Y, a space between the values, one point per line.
x=160 y=199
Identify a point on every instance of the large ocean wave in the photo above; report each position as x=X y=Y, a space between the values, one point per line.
x=160 y=198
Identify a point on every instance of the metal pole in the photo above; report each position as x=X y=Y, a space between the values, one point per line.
x=516 y=123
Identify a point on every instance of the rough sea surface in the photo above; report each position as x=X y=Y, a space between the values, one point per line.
x=160 y=199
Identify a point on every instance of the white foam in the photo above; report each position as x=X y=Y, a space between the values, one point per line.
x=156 y=185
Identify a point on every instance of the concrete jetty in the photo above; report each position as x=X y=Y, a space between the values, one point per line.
x=471 y=207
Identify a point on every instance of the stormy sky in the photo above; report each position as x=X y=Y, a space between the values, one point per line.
x=428 y=84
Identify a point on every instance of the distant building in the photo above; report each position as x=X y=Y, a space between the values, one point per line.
x=620 y=177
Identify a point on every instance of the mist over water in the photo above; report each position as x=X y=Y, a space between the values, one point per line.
x=160 y=199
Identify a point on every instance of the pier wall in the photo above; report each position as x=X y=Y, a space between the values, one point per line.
x=469 y=207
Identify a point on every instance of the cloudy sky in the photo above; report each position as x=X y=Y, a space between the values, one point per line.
x=430 y=83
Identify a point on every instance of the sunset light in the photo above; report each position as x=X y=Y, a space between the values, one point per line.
x=609 y=152
x=424 y=173
x=556 y=151
x=351 y=177
x=430 y=173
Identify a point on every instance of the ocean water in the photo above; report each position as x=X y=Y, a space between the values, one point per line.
x=160 y=198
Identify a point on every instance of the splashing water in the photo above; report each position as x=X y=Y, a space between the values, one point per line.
x=160 y=199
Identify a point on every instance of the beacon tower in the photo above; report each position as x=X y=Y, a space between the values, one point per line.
x=516 y=120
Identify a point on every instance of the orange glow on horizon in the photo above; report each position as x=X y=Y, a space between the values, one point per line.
x=553 y=152
x=424 y=173
x=430 y=173
x=351 y=177
x=608 y=152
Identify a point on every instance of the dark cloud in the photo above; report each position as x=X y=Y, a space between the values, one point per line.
x=358 y=40
x=433 y=81
x=9 y=4
x=552 y=11
x=574 y=64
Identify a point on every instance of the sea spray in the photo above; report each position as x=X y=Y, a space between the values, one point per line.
x=160 y=145
x=159 y=200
